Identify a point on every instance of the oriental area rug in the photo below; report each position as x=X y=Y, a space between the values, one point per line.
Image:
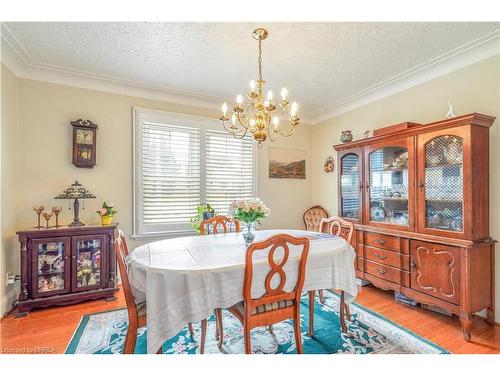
x=368 y=333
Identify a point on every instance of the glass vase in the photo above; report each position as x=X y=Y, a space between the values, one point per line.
x=248 y=232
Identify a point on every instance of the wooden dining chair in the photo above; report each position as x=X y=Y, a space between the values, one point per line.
x=219 y=221
x=342 y=228
x=312 y=218
x=137 y=312
x=275 y=305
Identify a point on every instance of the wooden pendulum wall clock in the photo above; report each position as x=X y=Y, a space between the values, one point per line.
x=84 y=143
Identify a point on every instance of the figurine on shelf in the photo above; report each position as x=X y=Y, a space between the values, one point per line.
x=346 y=136
x=450 y=113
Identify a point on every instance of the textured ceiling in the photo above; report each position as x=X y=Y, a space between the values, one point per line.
x=320 y=63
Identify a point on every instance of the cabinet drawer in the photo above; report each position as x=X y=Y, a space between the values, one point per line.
x=382 y=241
x=383 y=271
x=389 y=258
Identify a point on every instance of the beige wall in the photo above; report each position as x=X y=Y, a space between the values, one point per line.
x=9 y=256
x=472 y=89
x=44 y=164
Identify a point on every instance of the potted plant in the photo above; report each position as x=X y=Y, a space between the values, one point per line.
x=203 y=212
x=249 y=212
x=106 y=213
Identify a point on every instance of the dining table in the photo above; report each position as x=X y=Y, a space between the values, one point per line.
x=184 y=279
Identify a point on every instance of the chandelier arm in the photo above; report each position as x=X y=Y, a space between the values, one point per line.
x=269 y=134
x=289 y=132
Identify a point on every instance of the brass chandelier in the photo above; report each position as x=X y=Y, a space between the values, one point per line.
x=260 y=115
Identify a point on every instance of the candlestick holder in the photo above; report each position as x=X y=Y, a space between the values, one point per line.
x=38 y=210
x=56 y=211
x=47 y=215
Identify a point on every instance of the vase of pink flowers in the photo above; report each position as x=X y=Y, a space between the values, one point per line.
x=249 y=212
x=106 y=213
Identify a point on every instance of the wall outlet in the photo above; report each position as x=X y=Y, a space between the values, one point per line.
x=10 y=279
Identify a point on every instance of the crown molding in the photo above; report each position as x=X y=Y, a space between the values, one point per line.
x=467 y=54
x=22 y=64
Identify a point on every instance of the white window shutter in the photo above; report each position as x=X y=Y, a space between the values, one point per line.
x=229 y=169
x=170 y=174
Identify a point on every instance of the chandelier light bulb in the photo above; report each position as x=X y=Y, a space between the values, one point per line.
x=269 y=95
x=276 y=123
x=239 y=99
x=224 y=108
x=293 y=109
x=252 y=85
x=284 y=93
x=233 y=119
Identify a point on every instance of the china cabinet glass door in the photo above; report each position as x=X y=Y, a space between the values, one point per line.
x=50 y=266
x=87 y=262
x=441 y=187
x=389 y=185
x=350 y=185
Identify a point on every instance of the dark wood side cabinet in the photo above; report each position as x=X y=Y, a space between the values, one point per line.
x=419 y=200
x=66 y=265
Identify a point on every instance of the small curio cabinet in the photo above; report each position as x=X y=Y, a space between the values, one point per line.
x=66 y=265
x=421 y=212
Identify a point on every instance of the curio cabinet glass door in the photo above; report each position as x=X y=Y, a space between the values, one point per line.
x=441 y=182
x=389 y=184
x=88 y=262
x=50 y=266
x=351 y=184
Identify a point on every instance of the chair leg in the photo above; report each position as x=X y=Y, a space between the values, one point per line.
x=203 y=335
x=160 y=351
x=248 y=343
x=321 y=297
x=298 y=335
x=216 y=314
x=347 y=312
x=220 y=326
x=271 y=329
x=130 y=340
x=342 y=312
x=311 y=312
x=191 y=330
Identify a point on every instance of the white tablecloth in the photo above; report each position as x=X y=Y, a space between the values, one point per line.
x=184 y=279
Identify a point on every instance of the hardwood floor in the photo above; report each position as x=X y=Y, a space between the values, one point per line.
x=49 y=330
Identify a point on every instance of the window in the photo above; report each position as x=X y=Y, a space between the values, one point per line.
x=180 y=162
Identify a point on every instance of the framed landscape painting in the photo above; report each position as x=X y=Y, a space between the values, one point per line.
x=287 y=163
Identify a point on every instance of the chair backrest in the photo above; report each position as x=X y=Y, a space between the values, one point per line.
x=277 y=293
x=217 y=222
x=313 y=216
x=121 y=252
x=339 y=227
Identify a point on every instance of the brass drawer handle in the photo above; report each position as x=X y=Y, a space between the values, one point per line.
x=381 y=242
x=381 y=271
x=382 y=257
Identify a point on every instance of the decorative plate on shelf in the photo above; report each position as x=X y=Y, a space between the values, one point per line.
x=378 y=213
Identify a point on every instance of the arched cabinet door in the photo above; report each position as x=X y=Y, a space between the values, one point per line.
x=441 y=186
x=389 y=184
x=350 y=164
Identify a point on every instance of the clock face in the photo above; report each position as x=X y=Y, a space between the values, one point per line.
x=84 y=137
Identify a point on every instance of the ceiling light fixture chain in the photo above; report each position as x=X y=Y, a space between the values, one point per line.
x=260 y=115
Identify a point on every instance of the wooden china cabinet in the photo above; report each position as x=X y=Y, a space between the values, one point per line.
x=418 y=196
x=66 y=265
